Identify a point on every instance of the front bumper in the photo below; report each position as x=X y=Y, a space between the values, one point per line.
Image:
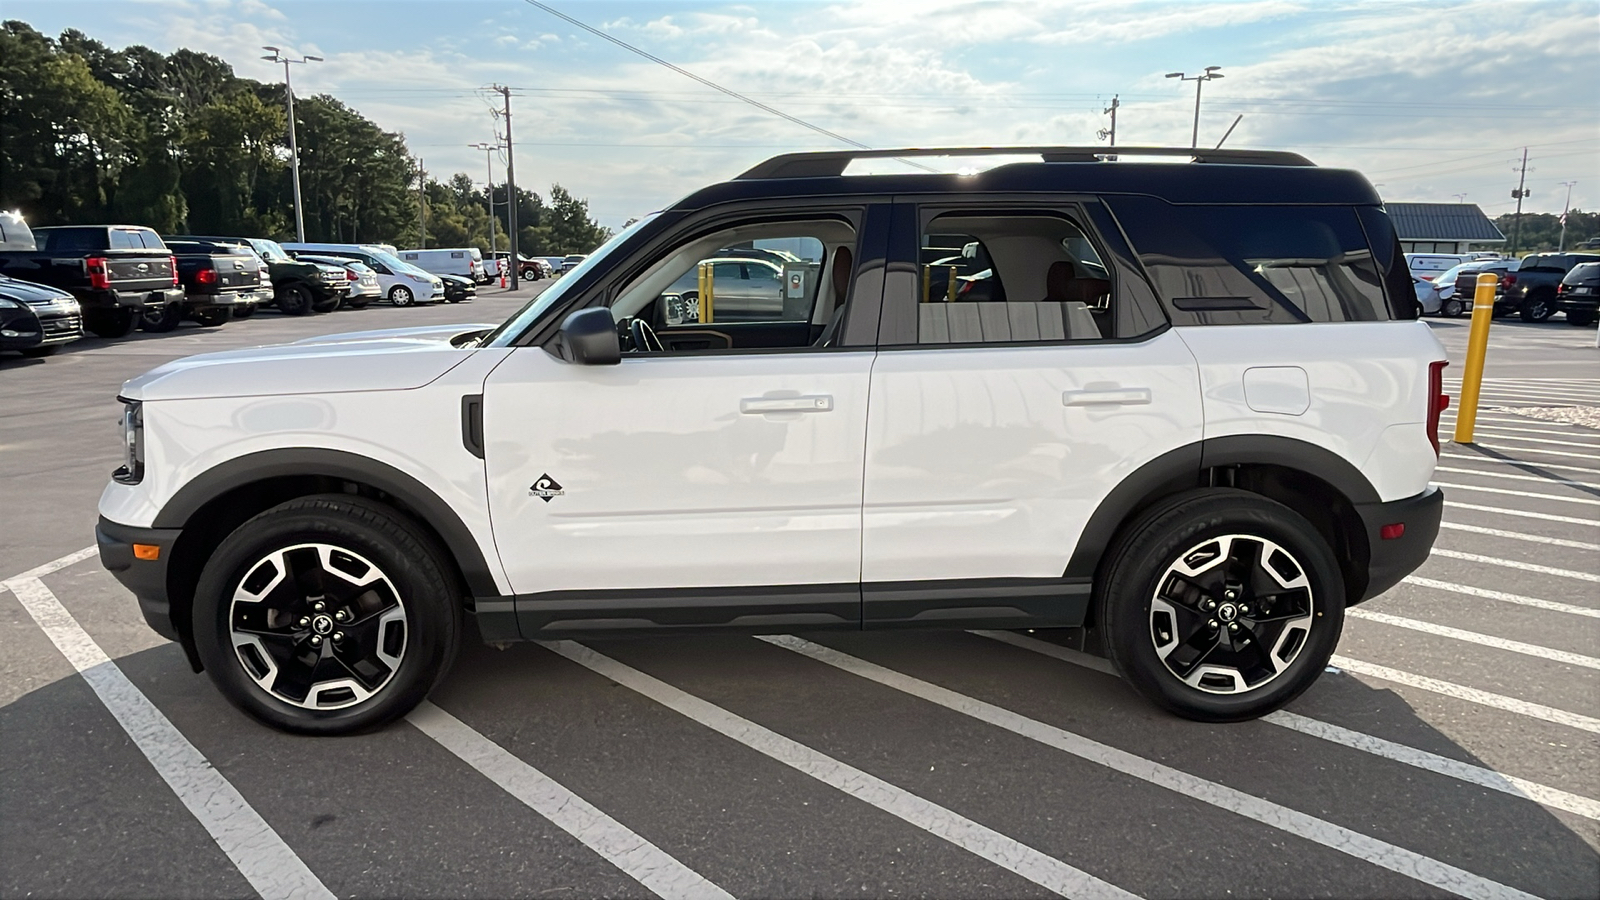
x=146 y=578
x=1393 y=559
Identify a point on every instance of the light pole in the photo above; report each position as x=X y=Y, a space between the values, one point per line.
x=294 y=151
x=1210 y=73
x=488 y=168
x=1565 y=208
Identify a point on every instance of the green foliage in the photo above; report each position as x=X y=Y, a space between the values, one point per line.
x=1542 y=231
x=180 y=143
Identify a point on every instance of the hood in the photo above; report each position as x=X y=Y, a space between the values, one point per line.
x=29 y=292
x=396 y=359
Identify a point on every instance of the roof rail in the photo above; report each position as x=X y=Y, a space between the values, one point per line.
x=833 y=162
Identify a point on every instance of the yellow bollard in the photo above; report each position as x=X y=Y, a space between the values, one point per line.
x=1477 y=348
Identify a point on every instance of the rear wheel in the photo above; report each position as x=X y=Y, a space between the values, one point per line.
x=1537 y=308
x=294 y=300
x=400 y=295
x=214 y=316
x=161 y=319
x=1221 y=605
x=328 y=614
x=1451 y=309
x=111 y=323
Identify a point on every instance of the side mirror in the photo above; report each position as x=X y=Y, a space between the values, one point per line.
x=591 y=337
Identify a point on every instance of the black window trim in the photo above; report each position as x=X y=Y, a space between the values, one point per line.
x=1075 y=208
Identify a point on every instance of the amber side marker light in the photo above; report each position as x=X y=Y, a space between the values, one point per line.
x=1387 y=532
x=153 y=551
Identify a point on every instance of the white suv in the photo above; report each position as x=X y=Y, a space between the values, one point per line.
x=1186 y=408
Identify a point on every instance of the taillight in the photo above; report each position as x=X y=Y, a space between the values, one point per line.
x=99 y=279
x=206 y=276
x=173 y=261
x=1438 y=402
x=1508 y=280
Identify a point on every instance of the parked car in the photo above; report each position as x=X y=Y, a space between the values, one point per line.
x=217 y=279
x=1459 y=286
x=1579 y=293
x=1531 y=290
x=1113 y=451
x=743 y=290
x=364 y=287
x=464 y=261
x=571 y=261
x=298 y=288
x=116 y=272
x=57 y=318
x=1431 y=265
x=1428 y=296
x=459 y=288
x=529 y=268
x=402 y=283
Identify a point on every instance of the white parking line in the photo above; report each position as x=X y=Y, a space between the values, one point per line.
x=1015 y=856
x=641 y=860
x=1356 y=740
x=1479 y=457
x=1471 y=695
x=1488 y=432
x=54 y=565
x=1586 y=501
x=1337 y=837
x=1519 y=536
x=1473 y=637
x=1508 y=476
x=1515 y=564
x=1497 y=445
x=1548 y=517
x=1485 y=424
x=1487 y=594
x=248 y=841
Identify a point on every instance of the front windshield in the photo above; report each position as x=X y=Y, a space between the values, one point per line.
x=536 y=307
x=269 y=250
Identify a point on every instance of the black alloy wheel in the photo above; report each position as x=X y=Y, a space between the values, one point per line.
x=1221 y=605
x=1537 y=308
x=328 y=614
x=294 y=300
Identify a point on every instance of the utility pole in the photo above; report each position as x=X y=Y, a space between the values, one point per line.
x=422 y=206
x=1112 y=112
x=294 y=151
x=511 y=189
x=1565 y=208
x=1209 y=74
x=1519 y=193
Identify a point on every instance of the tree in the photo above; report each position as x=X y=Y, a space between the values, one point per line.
x=1542 y=231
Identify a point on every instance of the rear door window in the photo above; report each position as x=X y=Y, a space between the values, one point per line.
x=123 y=239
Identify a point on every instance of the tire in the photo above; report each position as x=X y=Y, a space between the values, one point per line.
x=400 y=295
x=295 y=300
x=1151 y=636
x=348 y=556
x=214 y=317
x=161 y=319
x=1580 y=317
x=357 y=302
x=328 y=305
x=1451 y=308
x=41 y=352
x=1537 y=308
x=244 y=310
x=111 y=323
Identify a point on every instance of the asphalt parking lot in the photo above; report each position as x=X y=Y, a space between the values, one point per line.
x=1451 y=750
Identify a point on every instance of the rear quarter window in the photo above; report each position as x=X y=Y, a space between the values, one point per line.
x=1248 y=265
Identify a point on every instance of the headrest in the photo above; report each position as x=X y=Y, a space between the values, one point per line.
x=843 y=269
x=1058 y=282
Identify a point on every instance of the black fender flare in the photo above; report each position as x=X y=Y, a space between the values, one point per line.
x=1180 y=468
x=313 y=461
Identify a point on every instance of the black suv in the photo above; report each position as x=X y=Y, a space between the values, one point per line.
x=1579 y=293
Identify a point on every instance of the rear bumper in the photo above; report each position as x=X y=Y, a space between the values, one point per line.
x=1580 y=302
x=146 y=578
x=1393 y=559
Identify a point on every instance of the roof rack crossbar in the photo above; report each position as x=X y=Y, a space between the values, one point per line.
x=833 y=162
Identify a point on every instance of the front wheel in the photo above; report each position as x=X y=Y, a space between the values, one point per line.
x=400 y=295
x=295 y=300
x=1221 y=605
x=328 y=614
x=1537 y=309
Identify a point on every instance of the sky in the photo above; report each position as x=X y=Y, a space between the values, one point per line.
x=1433 y=101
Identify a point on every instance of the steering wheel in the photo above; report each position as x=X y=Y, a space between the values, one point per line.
x=643 y=336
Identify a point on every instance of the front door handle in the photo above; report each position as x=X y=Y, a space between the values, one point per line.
x=1107 y=396
x=756 y=406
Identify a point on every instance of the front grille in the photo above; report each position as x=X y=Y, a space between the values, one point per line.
x=61 y=326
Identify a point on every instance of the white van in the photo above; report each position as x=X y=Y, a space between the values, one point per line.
x=1430 y=265
x=464 y=261
x=403 y=283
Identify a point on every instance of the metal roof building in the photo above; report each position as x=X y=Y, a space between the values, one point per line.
x=1442 y=227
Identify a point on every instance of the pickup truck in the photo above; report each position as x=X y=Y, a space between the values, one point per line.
x=1531 y=290
x=298 y=288
x=217 y=278
x=116 y=272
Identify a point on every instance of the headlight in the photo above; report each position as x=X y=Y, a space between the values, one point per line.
x=7 y=303
x=132 y=469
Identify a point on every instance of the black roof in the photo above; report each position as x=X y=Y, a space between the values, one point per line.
x=1210 y=176
x=1442 y=222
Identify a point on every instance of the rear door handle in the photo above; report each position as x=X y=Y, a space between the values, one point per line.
x=1112 y=396
x=755 y=406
